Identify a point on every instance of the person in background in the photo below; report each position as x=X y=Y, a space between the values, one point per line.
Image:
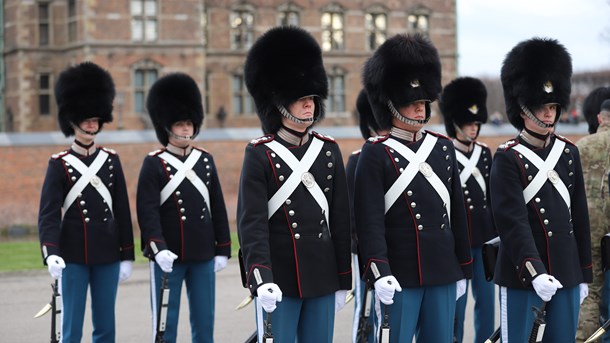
x=410 y=217
x=538 y=199
x=181 y=209
x=595 y=158
x=368 y=128
x=84 y=220
x=292 y=210
x=464 y=108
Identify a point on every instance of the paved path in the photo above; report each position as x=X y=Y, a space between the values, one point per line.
x=22 y=294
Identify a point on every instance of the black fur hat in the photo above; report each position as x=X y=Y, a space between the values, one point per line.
x=592 y=105
x=536 y=72
x=366 y=119
x=404 y=69
x=83 y=91
x=172 y=98
x=463 y=101
x=284 y=65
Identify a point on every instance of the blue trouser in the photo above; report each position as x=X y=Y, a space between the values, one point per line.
x=483 y=293
x=309 y=320
x=360 y=290
x=604 y=306
x=517 y=317
x=103 y=279
x=200 y=282
x=424 y=312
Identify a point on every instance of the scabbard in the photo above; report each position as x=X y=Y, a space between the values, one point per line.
x=599 y=332
x=364 y=327
x=537 y=332
x=384 y=330
x=494 y=336
x=162 y=309
x=56 y=307
x=268 y=336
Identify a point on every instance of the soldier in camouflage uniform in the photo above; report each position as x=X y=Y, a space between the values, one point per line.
x=595 y=158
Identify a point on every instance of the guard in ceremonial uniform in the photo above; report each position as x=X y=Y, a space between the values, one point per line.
x=538 y=199
x=295 y=245
x=84 y=221
x=181 y=209
x=410 y=218
x=368 y=128
x=464 y=108
x=595 y=157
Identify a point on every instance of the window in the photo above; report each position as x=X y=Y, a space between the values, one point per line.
x=335 y=103
x=71 y=20
x=143 y=80
x=376 y=24
x=44 y=26
x=418 y=20
x=332 y=28
x=144 y=20
x=288 y=15
x=242 y=101
x=204 y=25
x=44 y=94
x=242 y=28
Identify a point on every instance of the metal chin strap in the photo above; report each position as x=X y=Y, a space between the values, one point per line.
x=459 y=130
x=76 y=127
x=175 y=136
x=533 y=118
x=289 y=116
x=404 y=119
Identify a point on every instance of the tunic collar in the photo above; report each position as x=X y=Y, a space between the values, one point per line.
x=292 y=138
x=406 y=135
x=178 y=151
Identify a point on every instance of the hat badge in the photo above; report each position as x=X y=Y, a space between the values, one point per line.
x=414 y=83
x=548 y=87
x=474 y=109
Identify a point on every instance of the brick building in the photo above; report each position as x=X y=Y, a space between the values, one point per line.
x=140 y=40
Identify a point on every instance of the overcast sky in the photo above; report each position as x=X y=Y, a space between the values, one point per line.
x=489 y=29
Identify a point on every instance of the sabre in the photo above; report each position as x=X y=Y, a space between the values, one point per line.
x=55 y=307
x=599 y=332
x=364 y=326
x=384 y=331
x=162 y=311
x=539 y=324
x=494 y=337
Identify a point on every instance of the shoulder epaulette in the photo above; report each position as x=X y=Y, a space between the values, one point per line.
x=481 y=144
x=564 y=139
x=201 y=149
x=156 y=152
x=356 y=152
x=439 y=135
x=108 y=150
x=263 y=139
x=324 y=137
x=508 y=144
x=59 y=154
x=378 y=139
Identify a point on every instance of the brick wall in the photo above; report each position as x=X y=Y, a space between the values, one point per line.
x=23 y=170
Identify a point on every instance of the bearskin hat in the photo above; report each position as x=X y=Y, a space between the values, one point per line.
x=366 y=119
x=404 y=69
x=172 y=98
x=463 y=101
x=284 y=65
x=592 y=105
x=534 y=73
x=83 y=91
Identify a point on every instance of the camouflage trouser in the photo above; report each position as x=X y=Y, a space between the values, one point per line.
x=590 y=318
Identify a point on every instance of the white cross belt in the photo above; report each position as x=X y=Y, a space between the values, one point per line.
x=184 y=170
x=545 y=172
x=88 y=176
x=470 y=168
x=416 y=164
x=300 y=170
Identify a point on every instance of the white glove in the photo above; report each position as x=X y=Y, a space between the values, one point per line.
x=340 y=299
x=460 y=288
x=56 y=265
x=584 y=291
x=125 y=270
x=268 y=295
x=385 y=288
x=545 y=286
x=220 y=262
x=165 y=260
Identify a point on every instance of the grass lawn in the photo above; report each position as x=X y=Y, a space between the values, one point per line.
x=25 y=255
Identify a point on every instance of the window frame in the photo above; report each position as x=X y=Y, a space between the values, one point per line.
x=244 y=31
x=371 y=31
x=46 y=93
x=330 y=41
x=144 y=19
